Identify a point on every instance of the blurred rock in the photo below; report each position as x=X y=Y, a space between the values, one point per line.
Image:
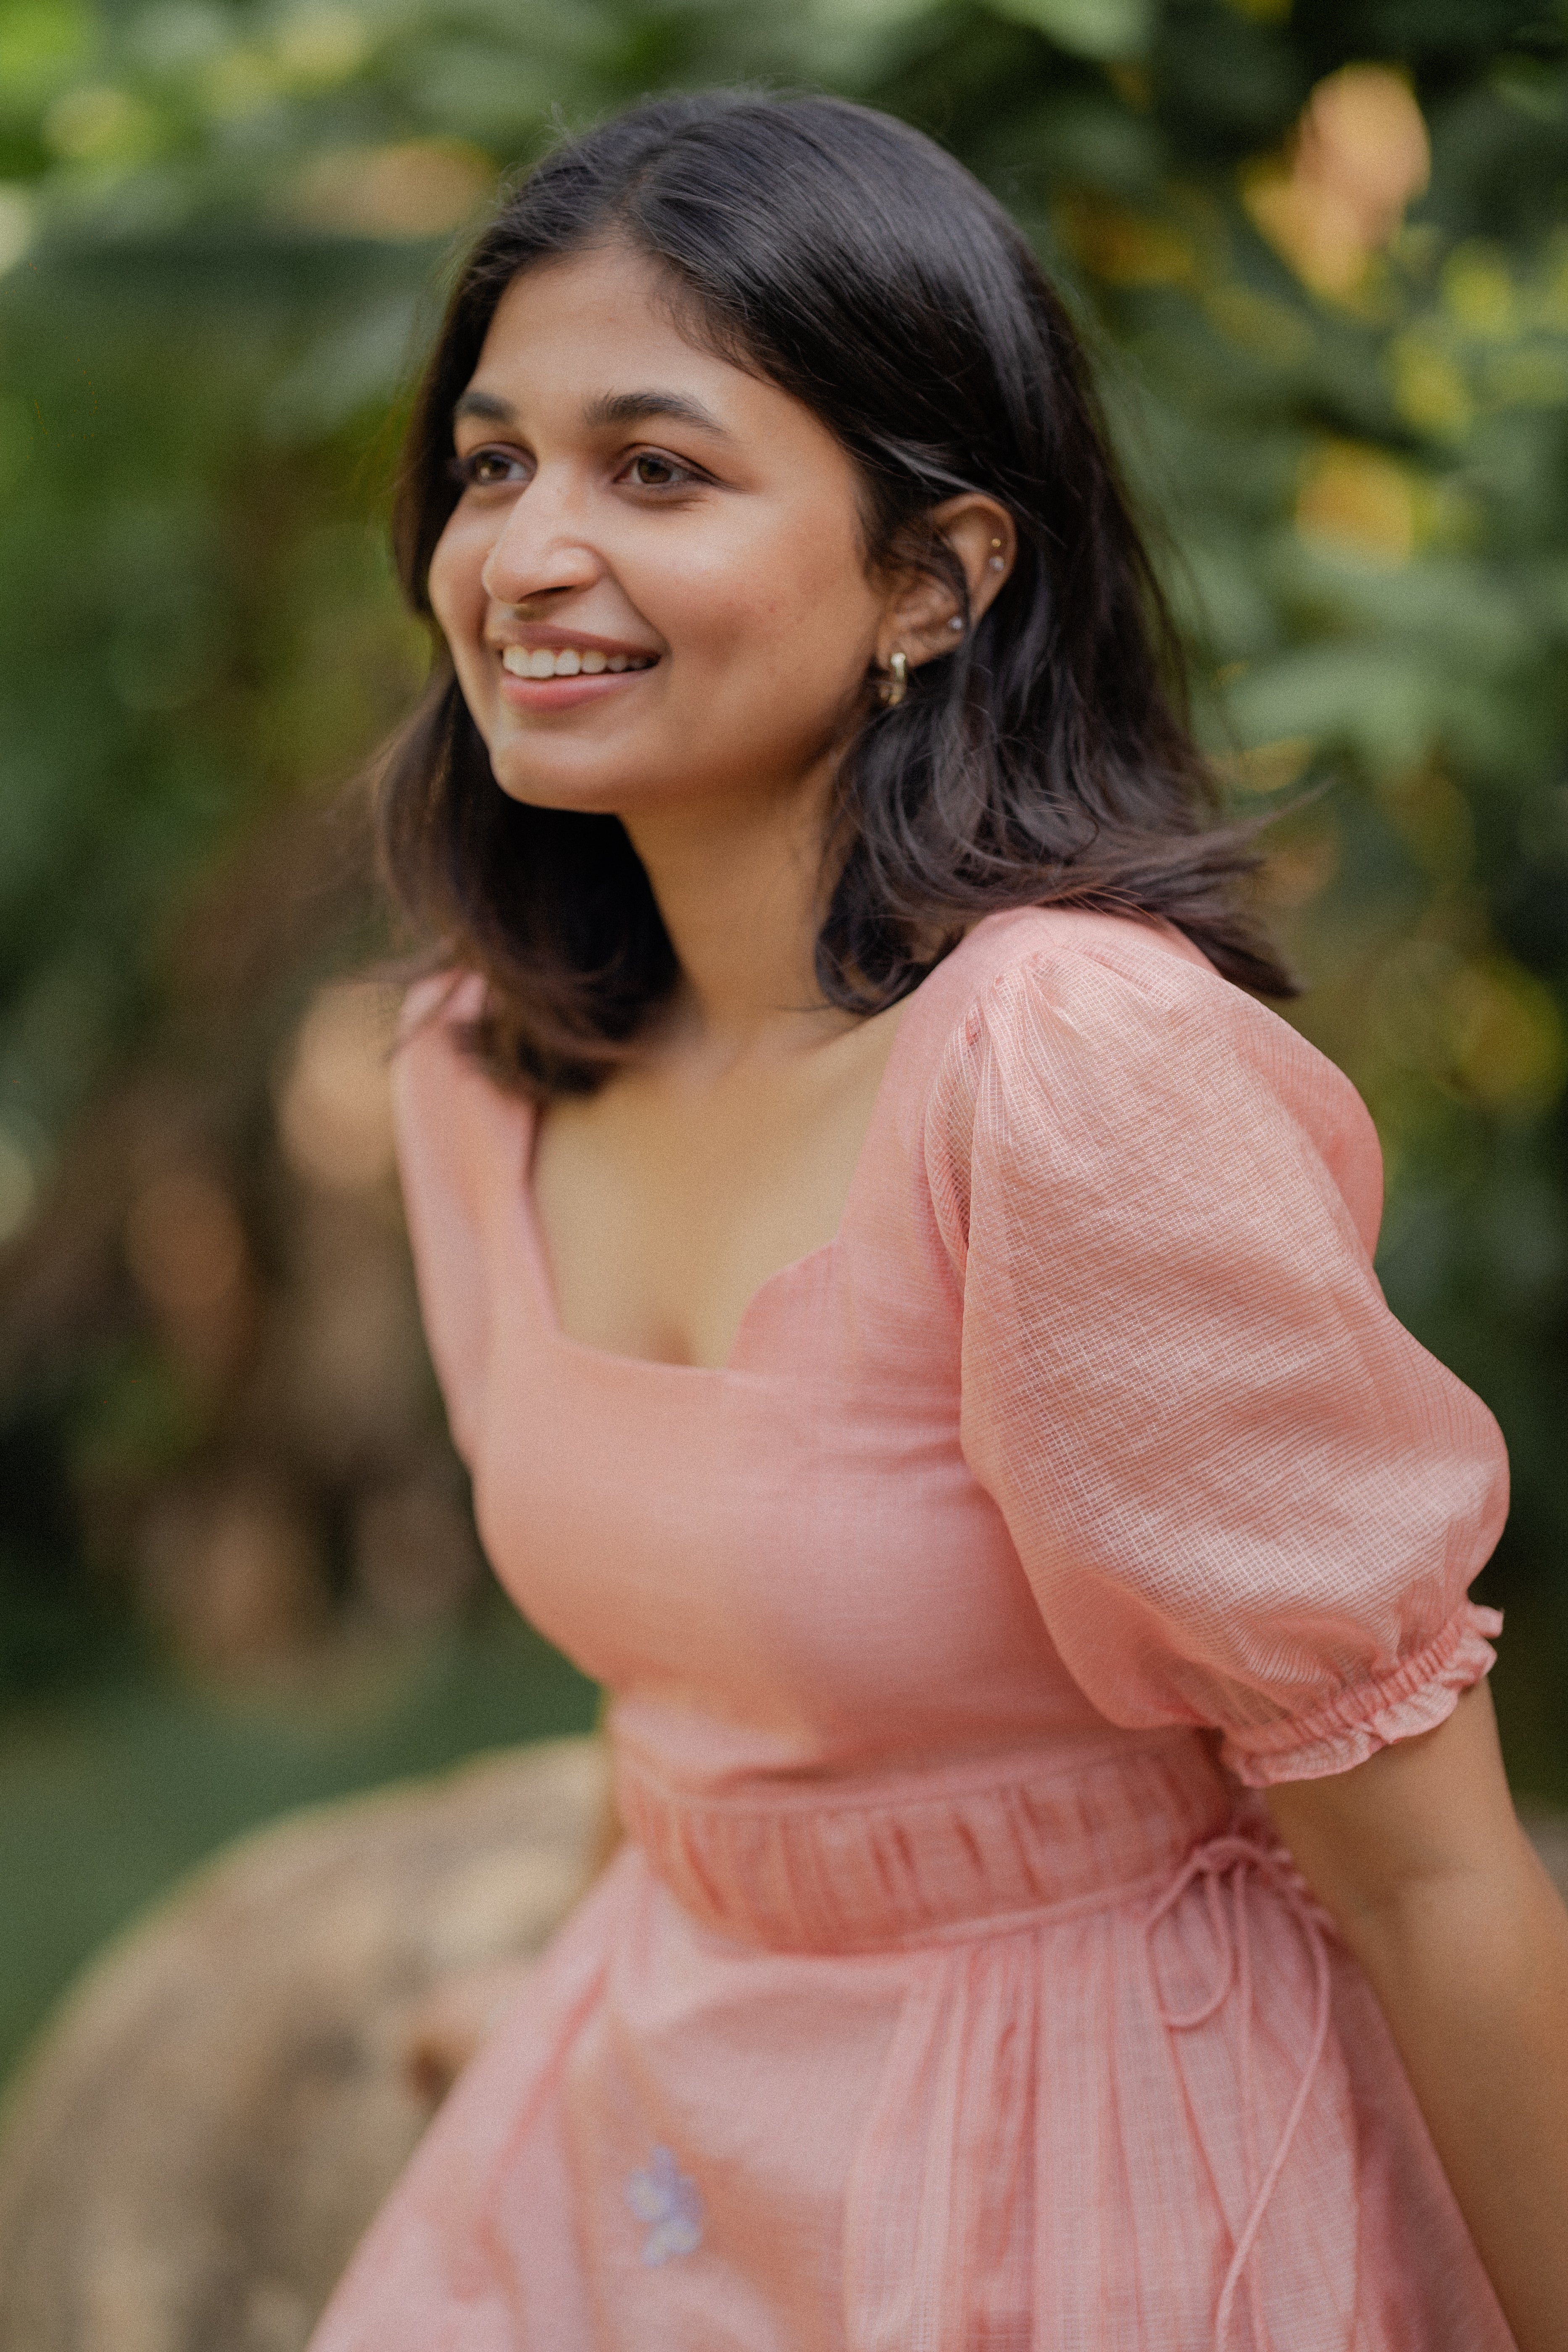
x=193 y=2153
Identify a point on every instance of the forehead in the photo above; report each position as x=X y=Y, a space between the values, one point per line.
x=585 y=303
x=586 y=330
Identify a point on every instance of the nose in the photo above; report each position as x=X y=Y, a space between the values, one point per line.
x=539 y=551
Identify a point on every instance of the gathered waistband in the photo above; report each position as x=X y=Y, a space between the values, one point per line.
x=925 y=1856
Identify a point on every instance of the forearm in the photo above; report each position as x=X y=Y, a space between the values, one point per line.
x=1465 y=1942
x=1473 y=1976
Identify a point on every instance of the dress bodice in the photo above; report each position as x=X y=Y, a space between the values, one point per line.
x=1091 y=1415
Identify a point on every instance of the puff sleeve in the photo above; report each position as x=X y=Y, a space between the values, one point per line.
x=1243 y=1495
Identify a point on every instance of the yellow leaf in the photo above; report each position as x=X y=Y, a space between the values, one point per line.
x=1359 y=501
x=1429 y=390
x=1479 y=290
x=1122 y=247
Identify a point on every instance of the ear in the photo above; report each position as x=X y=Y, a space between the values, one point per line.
x=921 y=608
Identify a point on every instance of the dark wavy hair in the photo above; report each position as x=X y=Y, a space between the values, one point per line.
x=1046 y=759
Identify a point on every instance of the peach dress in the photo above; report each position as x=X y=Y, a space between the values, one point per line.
x=950 y=1994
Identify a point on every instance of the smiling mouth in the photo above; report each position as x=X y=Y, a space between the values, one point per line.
x=569 y=661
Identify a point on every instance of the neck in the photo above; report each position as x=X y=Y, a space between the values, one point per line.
x=739 y=886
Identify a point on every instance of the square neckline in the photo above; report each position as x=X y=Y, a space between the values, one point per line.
x=542 y=1278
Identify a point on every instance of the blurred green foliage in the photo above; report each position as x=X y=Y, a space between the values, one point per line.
x=224 y=229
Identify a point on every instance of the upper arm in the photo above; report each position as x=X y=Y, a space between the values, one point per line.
x=1424 y=1811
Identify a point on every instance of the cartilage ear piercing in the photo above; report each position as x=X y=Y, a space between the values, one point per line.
x=996 y=562
x=956 y=624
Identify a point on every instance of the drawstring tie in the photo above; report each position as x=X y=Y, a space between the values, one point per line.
x=1228 y=1859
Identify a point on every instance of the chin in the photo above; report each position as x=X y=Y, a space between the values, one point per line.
x=547 y=792
x=534 y=785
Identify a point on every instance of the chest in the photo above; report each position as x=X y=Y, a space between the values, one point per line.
x=665 y=1204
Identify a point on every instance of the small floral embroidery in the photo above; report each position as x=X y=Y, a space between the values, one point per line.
x=664 y=2197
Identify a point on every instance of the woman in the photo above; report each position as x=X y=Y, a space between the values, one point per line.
x=911 y=1320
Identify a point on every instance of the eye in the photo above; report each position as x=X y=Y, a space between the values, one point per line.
x=651 y=470
x=488 y=469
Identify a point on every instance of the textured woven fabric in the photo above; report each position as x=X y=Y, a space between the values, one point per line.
x=950 y=1994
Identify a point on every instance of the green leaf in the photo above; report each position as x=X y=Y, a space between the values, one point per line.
x=1090 y=28
x=42 y=42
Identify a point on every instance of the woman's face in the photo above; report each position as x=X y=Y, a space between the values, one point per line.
x=675 y=541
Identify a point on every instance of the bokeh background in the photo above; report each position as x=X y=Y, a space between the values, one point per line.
x=1321 y=253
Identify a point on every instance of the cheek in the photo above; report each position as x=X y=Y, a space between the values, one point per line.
x=792 y=590
x=457 y=598
x=815 y=622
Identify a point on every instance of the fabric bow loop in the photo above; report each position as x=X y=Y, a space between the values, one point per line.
x=1223 y=1865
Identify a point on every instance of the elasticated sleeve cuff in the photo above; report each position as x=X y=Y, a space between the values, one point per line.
x=1415 y=1697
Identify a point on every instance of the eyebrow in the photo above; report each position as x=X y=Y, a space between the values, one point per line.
x=631 y=407
x=609 y=409
x=486 y=405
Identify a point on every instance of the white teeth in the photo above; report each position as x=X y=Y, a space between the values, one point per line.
x=519 y=661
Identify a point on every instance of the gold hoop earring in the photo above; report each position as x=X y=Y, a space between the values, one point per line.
x=896 y=684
